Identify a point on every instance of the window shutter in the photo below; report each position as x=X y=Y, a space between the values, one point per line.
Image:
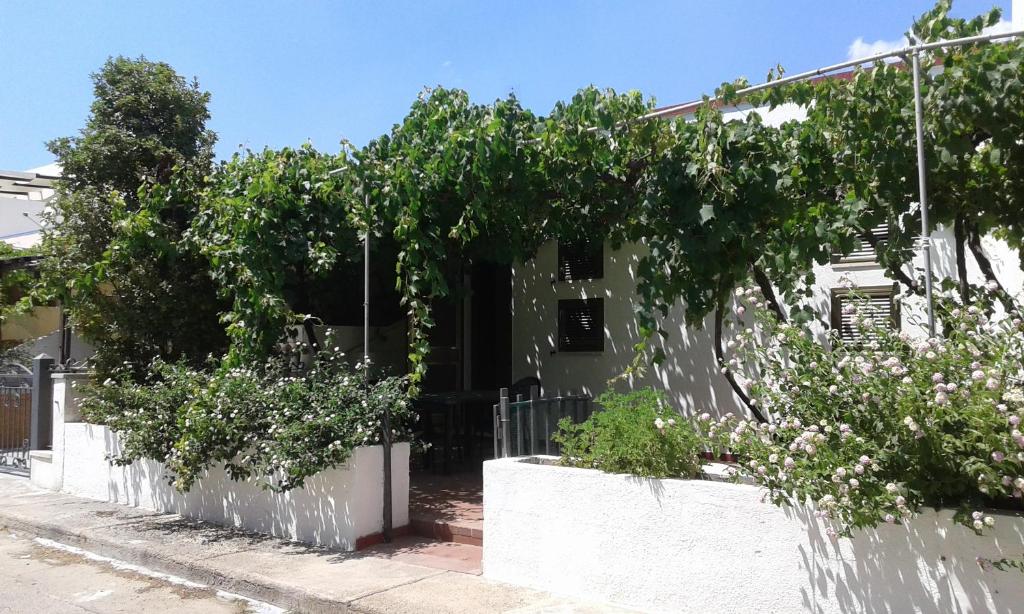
x=578 y=261
x=581 y=325
x=877 y=304
x=863 y=252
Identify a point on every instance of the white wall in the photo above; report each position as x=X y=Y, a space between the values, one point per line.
x=335 y=508
x=706 y=546
x=689 y=374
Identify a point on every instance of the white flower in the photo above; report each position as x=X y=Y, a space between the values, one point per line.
x=659 y=423
x=892 y=488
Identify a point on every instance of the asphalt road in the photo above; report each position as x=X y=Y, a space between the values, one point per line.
x=42 y=578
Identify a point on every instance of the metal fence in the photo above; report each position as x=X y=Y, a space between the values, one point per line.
x=523 y=427
x=15 y=421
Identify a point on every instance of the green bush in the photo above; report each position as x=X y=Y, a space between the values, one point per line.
x=636 y=433
x=871 y=432
x=266 y=421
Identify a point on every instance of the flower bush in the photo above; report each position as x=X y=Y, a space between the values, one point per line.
x=871 y=431
x=637 y=433
x=268 y=421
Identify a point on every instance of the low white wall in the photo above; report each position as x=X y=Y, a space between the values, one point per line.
x=706 y=546
x=335 y=508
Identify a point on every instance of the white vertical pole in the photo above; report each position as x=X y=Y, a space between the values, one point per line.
x=385 y=422
x=922 y=186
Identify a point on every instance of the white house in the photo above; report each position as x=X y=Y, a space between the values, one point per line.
x=552 y=315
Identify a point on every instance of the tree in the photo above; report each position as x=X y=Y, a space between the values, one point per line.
x=112 y=238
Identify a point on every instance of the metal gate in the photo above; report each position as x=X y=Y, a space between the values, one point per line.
x=524 y=427
x=15 y=418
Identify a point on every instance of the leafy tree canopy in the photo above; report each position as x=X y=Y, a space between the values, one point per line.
x=128 y=190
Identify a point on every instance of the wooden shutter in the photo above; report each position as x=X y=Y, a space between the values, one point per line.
x=580 y=261
x=862 y=251
x=581 y=325
x=878 y=304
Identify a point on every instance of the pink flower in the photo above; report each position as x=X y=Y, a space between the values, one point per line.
x=998 y=456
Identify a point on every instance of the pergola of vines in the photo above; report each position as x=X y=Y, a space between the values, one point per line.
x=716 y=203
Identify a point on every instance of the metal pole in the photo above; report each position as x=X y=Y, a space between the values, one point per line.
x=818 y=72
x=922 y=186
x=385 y=422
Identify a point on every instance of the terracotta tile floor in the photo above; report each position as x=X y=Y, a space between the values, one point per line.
x=447 y=507
x=431 y=553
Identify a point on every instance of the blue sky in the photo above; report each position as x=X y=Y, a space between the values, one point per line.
x=282 y=73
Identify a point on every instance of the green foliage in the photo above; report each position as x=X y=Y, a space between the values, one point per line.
x=871 y=432
x=267 y=422
x=129 y=189
x=272 y=225
x=636 y=433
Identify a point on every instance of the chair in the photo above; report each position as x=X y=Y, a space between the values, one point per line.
x=524 y=387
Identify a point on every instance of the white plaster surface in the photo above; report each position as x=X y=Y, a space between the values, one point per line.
x=44 y=473
x=334 y=508
x=707 y=546
x=689 y=374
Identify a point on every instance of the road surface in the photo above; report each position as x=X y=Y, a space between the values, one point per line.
x=41 y=577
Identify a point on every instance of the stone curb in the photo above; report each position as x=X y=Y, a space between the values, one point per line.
x=262 y=588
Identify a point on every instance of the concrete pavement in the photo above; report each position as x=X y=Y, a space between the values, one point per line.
x=40 y=578
x=407 y=576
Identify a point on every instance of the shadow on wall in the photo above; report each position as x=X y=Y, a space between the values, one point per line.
x=335 y=508
x=929 y=565
x=689 y=375
x=712 y=546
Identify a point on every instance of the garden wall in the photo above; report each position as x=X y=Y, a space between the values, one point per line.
x=712 y=546
x=336 y=507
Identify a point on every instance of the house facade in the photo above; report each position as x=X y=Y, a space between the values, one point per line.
x=575 y=334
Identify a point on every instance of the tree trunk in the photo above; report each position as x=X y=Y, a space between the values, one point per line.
x=960 y=237
x=769 y=293
x=896 y=271
x=974 y=243
x=720 y=356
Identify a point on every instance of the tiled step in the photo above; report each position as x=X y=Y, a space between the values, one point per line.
x=459 y=531
x=447 y=555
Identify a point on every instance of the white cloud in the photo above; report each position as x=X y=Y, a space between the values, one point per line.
x=1004 y=25
x=861 y=48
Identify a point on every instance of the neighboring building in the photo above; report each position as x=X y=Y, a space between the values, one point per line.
x=24 y=196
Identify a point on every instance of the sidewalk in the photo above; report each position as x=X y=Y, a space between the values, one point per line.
x=409 y=575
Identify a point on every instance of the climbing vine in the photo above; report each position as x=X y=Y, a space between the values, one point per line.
x=715 y=202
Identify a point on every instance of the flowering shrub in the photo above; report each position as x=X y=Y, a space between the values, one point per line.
x=872 y=431
x=637 y=433
x=266 y=421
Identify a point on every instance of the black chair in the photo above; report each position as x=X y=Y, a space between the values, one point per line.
x=523 y=387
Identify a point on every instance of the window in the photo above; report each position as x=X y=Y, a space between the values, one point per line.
x=881 y=307
x=580 y=261
x=863 y=251
x=581 y=325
